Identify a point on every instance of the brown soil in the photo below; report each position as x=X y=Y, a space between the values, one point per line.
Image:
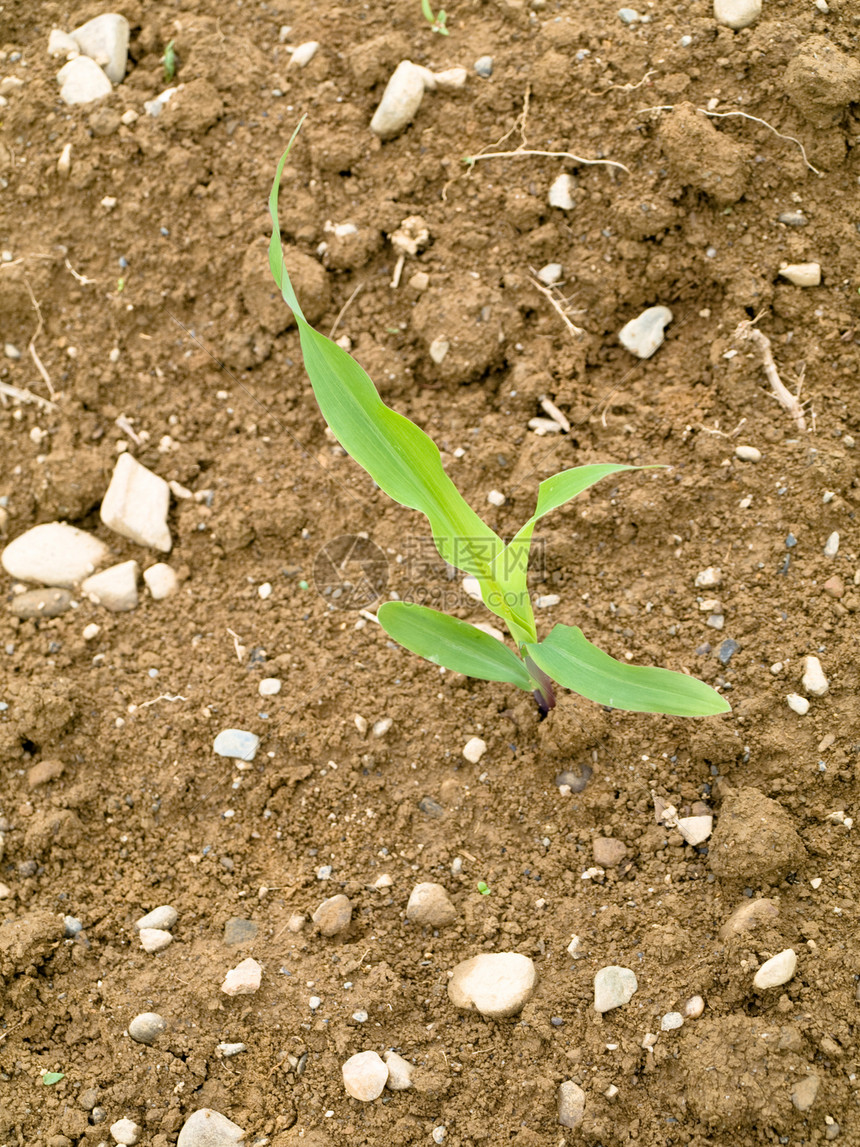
x=138 y=815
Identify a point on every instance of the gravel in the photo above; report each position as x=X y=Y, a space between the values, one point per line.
x=571 y=1104
x=115 y=588
x=126 y=1131
x=613 y=987
x=737 y=14
x=399 y=1071
x=236 y=743
x=333 y=915
x=244 y=979
x=154 y=939
x=814 y=682
x=474 y=749
x=164 y=917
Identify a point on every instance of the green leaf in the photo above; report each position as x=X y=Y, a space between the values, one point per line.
x=52 y=1077
x=453 y=643
x=571 y=660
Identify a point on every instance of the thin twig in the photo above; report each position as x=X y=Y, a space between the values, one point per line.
x=46 y=378
x=627 y=87
x=743 y=115
x=473 y=159
x=81 y=278
x=21 y=394
x=746 y=332
x=343 y=310
x=576 y=331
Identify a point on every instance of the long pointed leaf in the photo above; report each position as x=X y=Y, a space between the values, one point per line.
x=571 y=660
x=447 y=641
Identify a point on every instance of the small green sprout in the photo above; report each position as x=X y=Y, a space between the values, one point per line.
x=483 y=888
x=168 y=61
x=407 y=466
x=51 y=1077
x=438 y=23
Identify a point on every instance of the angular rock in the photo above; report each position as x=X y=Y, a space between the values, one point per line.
x=146 y=1028
x=400 y=101
x=244 y=979
x=154 y=939
x=474 y=749
x=805 y=1092
x=607 y=851
x=364 y=1076
x=778 y=970
x=561 y=192
x=755 y=839
x=695 y=829
x=126 y=1131
x=41 y=603
x=613 y=987
x=136 y=504
x=114 y=588
x=497 y=984
x=430 y=905
x=802 y=274
x=82 y=82
x=208 y=1128
x=750 y=914
x=571 y=1104
x=163 y=917
x=399 y=1071
x=161 y=581
x=55 y=554
x=643 y=335
x=238 y=930
x=236 y=743
x=333 y=915
x=814 y=682
x=105 y=40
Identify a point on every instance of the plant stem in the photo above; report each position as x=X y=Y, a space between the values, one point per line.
x=544 y=693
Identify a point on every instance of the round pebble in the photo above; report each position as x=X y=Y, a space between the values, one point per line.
x=474 y=749
x=399 y=1071
x=484 y=66
x=798 y=704
x=748 y=454
x=269 y=687
x=333 y=915
x=694 y=1007
x=208 y=1128
x=154 y=939
x=613 y=987
x=430 y=905
x=146 y=1028
x=571 y=1104
x=365 y=1076
x=163 y=917
x=497 y=984
x=126 y=1131
x=778 y=970
x=737 y=14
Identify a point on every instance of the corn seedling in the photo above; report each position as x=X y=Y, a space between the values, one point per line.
x=168 y=61
x=438 y=23
x=406 y=464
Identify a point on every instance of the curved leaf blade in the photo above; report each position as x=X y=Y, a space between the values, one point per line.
x=571 y=660
x=447 y=641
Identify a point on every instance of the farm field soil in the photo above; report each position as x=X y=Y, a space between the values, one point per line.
x=160 y=335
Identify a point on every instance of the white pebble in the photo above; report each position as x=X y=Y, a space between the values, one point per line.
x=269 y=687
x=126 y=1131
x=154 y=939
x=365 y=1076
x=748 y=454
x=737 y=14
x=798 y=704
x=643 y=335
x=694 y=1007
x=90 y=631
x=496 y=498
x=671 y=1022
x=230 y=1049
x=709 y=578
x=54 y=554
x=303 y=54
x=497 y=984
x=438 y=349
x=561 y=192
x=114 y=588
x=400 y=101
x=813 y=680
x=472 y=587
x=450 y=80
x=136 y=504
x=161 y=580
x=550 y=274
x=264 y=591
x=383 y=882
x=399 y=1071
x=243 y=980
x=430 y=905
x=474 y=749
x=695 y=829
x=831 y=546
x=547 y=600
x=208 y=1128
x=105 y=40
x=62 y=44
x=164 y=917
x=11 y=351
x=613 y=987
x=574 y=946
x=816 y=882
x=802 y=274
x=360 y=723
x=381 y=727
x=778 y=970
x=571 y=1104
x=82 y=81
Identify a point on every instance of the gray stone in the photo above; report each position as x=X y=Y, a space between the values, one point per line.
x=613 y=987
x=71 y=926
x=236 y=743
x=628 y=16
x=239 y=931
x=41 y=603
x=146 y=1028
x=54 y=554
x=208 y=1128
x=82 y=82
x=333 y=915
x=105 y=40
x=430 y=905
x=484 y=66
x=497 y=984
x=571 y=1104
x=136 y=504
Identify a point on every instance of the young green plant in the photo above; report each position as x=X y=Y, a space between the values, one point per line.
x=407 y=465
x=439 y=22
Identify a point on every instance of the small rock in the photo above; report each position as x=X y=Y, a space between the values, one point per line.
x=643 y=335
x=561 y=192
x=161 y=581
x=208 y=1128
x=709 y=578
x=474 y=749
x=11 y=352
x=778 y=970
x=805 y=1092
x=114 y=588
x=400 y=101
x=162 y=917
x=571 y=1104
x=269 y=687
x=296 y=922
x=154 y=939
x=431 y=808
x=727 y=650
x=799 y=704
x=244 y=979
x=834 y=587
x=399 y=1071
x=333 y=915
x=55 y=554
x=497 y=984
x=496 y=498
x=694 y=1007
x=551 y=273
x=748 y=454
x=831 y=546
x=364 y=1076
x=382 y=726
x=146 y=1028
x=420 y=281
x=438 y=349
x=547 y=600
x=236 y=743
x=136 y=504
x=62 y=44
x=749 y=915
x=802 y=274
x=671 y=1022
x=628 y=16
x=613 y=987
x=105 y=40
x=82 y=82
x=430 y=905
x=72 y=926
x=695 y=829
x=793 y=219
x=238 y=930
x=41 y=603
x=607 y=851
x=484 y=66
x=91 y=631
x=303 y=54
x=737 y=14
x=813 y=680
x=126 y=1131
x=449 y=80
x=228 y=1050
